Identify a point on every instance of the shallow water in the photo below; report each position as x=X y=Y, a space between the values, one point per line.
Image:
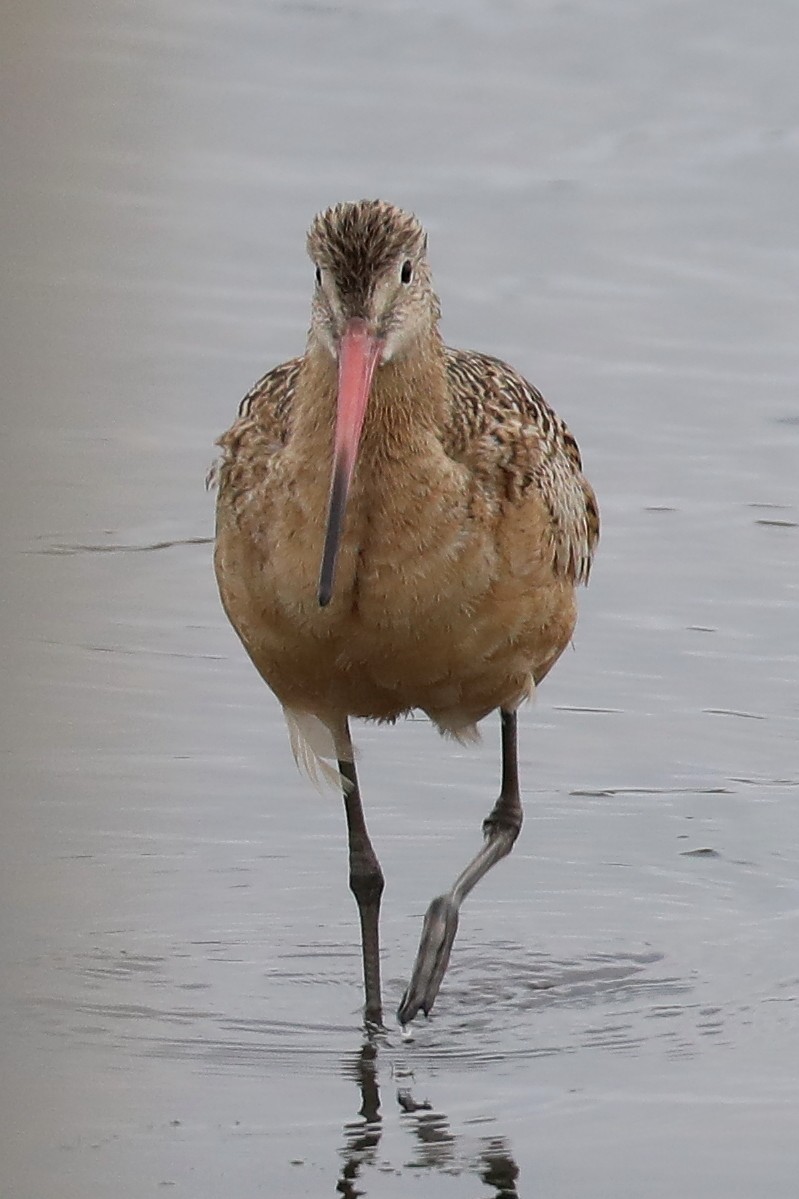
x=610 y=193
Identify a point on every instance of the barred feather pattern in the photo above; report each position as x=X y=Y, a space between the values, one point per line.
x=499 y=423
x=260 y=431
x=504 y=424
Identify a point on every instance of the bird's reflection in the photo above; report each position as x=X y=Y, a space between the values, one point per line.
x=361 y=1136
x=435 y=1146
x=498 y=1169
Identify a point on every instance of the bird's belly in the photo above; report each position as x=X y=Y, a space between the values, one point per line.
x=438 y=617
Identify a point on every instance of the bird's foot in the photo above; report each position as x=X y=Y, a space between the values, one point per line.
x=438 y=933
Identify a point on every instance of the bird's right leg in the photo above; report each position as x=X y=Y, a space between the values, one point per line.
x=501 y=828
x=366 y=877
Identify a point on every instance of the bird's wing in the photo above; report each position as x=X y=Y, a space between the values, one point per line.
x=261 y=428
x=504 y=428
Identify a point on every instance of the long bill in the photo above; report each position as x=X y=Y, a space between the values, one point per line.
x=358 y=356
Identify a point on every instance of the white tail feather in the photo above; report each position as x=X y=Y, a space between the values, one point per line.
x=314 y=748
x=464 y=734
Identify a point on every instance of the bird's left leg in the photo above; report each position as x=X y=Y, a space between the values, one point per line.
x=366 y=877
x=501 y=828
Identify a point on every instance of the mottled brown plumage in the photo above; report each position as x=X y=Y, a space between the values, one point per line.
x=466 y=525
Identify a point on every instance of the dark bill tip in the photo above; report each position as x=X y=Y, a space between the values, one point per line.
x=335 y=524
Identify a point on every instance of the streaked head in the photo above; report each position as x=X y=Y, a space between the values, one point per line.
x=373 y=303
x=370 y=265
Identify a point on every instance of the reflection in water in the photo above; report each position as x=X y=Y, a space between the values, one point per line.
x=435 y=1146
x=498 y=1169
x=361 y=1137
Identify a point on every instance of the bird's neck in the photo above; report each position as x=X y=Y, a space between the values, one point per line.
x=408 y=400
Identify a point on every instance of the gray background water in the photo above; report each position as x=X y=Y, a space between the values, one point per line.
x=611 y=194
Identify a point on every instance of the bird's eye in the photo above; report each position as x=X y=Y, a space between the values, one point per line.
x=319 y=276
x=406 y=274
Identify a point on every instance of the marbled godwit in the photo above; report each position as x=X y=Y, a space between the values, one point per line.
x=400 y=526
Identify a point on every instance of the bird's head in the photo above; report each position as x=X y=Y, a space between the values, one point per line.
x=370 y=271
x=373 y=303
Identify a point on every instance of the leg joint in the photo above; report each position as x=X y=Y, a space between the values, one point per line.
x=503 y=818
x=366 y=881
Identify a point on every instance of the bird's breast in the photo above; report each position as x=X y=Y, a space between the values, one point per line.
x=440 y=600
x=410 y=549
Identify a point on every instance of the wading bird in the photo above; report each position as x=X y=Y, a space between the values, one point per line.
x=400 y=526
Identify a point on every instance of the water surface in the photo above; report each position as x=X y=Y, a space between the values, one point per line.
x=610 y=193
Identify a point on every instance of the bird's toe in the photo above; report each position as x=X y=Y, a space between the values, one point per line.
x=438 y=933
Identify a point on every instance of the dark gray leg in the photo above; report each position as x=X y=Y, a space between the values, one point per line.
x=501 y=828
x=366 y=884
